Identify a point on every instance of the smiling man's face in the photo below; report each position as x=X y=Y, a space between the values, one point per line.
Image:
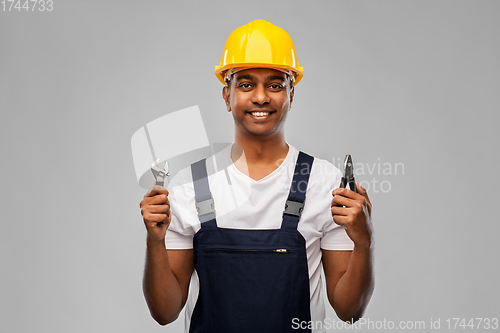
x=259 y=99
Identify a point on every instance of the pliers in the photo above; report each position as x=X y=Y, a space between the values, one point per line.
x=160 y=172
x=348 y=177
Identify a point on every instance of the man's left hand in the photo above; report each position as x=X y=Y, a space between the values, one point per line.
x=353 y=211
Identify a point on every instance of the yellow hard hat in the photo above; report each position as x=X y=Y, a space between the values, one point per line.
x=259 y=44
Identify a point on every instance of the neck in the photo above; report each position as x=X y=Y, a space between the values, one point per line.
x=260 y=151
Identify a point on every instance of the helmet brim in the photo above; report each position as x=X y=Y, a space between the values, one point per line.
x=298 y=72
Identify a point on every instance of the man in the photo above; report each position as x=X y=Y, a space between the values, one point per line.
x=256 y=263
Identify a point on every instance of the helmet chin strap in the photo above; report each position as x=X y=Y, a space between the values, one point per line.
x=231 y=71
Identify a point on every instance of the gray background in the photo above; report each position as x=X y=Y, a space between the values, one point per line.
x=412 y=82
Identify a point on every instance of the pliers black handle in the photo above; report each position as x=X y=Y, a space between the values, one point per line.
x=348 y=177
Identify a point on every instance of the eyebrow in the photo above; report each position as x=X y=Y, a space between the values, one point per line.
x=269 y=78
x=275 y=77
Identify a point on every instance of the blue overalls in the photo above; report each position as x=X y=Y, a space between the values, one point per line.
x=253 y=281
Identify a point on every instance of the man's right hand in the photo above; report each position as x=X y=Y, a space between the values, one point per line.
x=155 y=208
x=166 y=272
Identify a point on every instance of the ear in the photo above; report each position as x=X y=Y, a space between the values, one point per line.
x=226 y=97
x=292 y=92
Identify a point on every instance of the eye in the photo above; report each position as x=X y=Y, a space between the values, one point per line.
x=245 y=85
x=276 y=86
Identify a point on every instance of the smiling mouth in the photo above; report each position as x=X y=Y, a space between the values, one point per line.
x=259 y=114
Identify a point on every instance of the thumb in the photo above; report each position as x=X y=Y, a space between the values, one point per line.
x=360 y=187
x=362 y=191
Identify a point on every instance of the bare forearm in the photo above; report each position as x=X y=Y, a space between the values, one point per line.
x=354 y=290
x=161 y=288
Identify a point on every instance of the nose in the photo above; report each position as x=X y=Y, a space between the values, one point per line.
x=260 y=95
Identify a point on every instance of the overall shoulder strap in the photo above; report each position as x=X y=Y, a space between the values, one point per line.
x=297 y=195
x=204 y=200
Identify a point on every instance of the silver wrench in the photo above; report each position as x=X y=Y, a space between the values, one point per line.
x=160 y=172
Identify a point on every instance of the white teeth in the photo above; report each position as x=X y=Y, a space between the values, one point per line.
x=260 y=114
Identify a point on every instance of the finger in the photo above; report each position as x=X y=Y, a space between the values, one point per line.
x=336 y=210
x=346 y=193
x=155 y=218
x=339 y=200
x=159 y=209
x=159 y=199
x=340 y=219
x=157 y=189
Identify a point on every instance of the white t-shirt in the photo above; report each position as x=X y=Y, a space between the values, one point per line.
x=244 y=203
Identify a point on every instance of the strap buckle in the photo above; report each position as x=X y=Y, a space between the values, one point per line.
x=205 y=207
x=293 y=208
